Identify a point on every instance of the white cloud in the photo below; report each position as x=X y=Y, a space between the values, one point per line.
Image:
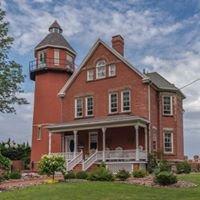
x=19 y=126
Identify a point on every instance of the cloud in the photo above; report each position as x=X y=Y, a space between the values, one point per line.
x=18 y=127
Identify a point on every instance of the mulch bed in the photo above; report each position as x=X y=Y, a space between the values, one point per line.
x=148 y=181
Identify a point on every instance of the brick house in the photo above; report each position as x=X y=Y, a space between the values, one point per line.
x=104 y=110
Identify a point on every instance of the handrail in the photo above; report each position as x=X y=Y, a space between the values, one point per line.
x=72 y=163
x=50 y=62
x=90 y=161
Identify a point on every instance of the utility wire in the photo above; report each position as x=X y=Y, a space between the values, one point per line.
x=190 y=83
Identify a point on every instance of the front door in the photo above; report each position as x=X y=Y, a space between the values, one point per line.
x=69 y=143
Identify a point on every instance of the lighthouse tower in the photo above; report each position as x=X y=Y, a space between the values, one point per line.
x=52 y=67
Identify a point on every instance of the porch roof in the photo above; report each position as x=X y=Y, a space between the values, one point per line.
x=97 y=123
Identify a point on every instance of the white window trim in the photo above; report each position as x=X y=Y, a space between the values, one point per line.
x=88 y=76
x=97 y=67
x=75 y=108
x=109 y=70
x=90 y=133
x=122 y=101
x=172 y=138
x=39 y=132
x=109 y=103
x=86 y=106
x=171 y=105
x=56 y=60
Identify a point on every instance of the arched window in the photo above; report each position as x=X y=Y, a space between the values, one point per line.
x=101 y=69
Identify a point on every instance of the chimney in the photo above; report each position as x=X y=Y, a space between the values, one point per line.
x=118 y=44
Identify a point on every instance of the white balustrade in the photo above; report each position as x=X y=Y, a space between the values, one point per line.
x=76 y=160
x=91 y=160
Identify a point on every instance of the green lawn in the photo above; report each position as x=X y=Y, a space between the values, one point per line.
x=104 y=191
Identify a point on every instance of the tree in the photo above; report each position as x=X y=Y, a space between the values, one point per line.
x=50 y=164
x=11 y=75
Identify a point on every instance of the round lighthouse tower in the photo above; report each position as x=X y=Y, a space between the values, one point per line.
x=52 y=67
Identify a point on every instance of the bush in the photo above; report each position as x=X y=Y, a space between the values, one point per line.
x=165 y=178
x=69 y=175
x=49 y=164
x=163 y=166
x=81 y=175
x=5 y=163
x=15 y=175
x=183 y=167
x=122 y=175
x=139 y=174
x=152 y=163
x=101 y=174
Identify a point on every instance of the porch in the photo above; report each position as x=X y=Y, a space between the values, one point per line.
x=118 y=142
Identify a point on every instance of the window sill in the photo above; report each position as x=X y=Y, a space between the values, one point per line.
x=166 y=115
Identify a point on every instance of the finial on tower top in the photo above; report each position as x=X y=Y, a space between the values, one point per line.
x=55 y=28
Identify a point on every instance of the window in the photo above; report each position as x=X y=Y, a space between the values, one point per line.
x=113 y=103
x=90 y=75
x=101 y=69
x=89 y=106
x=78 y=108
x=39 y=133
x=126 y=100
x=69 y=58
x=56 y=57
x=168 y=142
x=42 y=58
x=112 y=70
x=167 y=105
x=93 y=140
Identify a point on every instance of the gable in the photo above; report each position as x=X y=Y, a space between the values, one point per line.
x=107 y=50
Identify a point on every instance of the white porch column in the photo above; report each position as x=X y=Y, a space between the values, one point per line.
x=137 y=141
x=104 y=143
x=75 y=142
x=50 y=135
x=146 y=145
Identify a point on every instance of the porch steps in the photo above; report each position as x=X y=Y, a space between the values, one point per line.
x=75 y=161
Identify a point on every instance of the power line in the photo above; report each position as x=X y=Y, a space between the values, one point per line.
x=190 y=83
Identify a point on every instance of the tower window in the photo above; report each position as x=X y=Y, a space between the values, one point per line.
x=39 y=133
x=101 y=69
x=56 y=56
x=41 y=59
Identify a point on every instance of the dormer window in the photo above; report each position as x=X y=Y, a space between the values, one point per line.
x=112 y=70
x=101 y=69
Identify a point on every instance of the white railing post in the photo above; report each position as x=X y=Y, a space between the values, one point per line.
x=75 y=143
x=50 y=135
x=137 y=142
x=104 y=143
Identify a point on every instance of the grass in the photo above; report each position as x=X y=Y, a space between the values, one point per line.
x=104 y=191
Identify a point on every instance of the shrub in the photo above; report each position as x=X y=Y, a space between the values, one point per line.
x=165 y=178
x=183 y=167
x=69 y=175
x=5 y=163
x=15 y=175
x=152 y=163
x=49 y=164
x=81 y=175
x=163 y=166
x=101 y=174
x=122 y=175
x=139 y=173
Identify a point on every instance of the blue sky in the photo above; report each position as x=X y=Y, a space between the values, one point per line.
x=160 y=36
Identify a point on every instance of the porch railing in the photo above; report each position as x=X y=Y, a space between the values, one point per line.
x=67 y=155
x=91 y=160
x=76 y=160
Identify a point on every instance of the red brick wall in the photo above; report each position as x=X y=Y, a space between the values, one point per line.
x=125 y=78
x=47 y=109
